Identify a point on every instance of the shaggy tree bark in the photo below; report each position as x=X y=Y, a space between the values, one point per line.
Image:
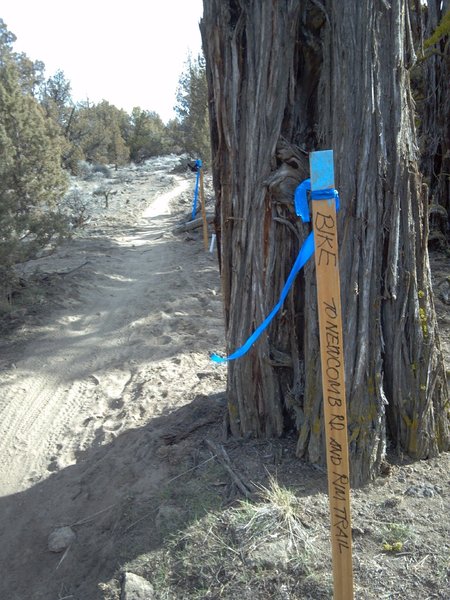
x=434 y=109
x=287 y=77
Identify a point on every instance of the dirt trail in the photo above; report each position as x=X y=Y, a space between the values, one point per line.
x=128 y=341
x=67 y=388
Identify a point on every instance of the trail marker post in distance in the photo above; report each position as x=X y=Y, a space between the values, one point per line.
x=197 y=168
x=333 y=377
x=203 y=206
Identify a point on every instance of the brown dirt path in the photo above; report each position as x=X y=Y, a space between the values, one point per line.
x=127 y=341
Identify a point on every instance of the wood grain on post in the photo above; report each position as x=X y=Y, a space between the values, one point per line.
x=333 y=377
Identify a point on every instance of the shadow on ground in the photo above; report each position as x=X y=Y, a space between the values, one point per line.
x=123 y=499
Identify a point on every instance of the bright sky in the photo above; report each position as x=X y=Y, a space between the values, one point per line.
x=130 y=53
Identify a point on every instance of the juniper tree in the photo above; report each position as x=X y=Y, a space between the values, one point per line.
x=101 y=133
x=31 y=177
x=286 y=78
x=146 y=135
x=192 y=109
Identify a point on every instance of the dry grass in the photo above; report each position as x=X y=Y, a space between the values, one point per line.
x=277 y=546
x=255 y=550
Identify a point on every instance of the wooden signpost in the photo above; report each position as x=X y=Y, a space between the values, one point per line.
x=203 y=207
x=333 y=381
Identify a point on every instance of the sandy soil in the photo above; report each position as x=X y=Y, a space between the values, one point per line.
x=107 y=394
x=124 y=340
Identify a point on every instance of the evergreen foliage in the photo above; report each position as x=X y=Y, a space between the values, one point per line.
x=192 y=110
x=31 y=177
x=100 y=129
x=56 y=100
x=30 y=74
x=103 y=134
x=146 y=135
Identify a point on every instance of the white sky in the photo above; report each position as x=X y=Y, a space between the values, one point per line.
x=129 y=53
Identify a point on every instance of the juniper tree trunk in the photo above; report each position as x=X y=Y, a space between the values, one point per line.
x=434 y=106
x=286 y=78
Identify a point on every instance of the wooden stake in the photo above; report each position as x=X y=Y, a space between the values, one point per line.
x=333 y=380
x=202 y=201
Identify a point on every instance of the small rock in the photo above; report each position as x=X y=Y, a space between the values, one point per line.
x=385 y=468
x=60 y=539
x=271 y=555
x=391 y=502
x=203 y=375
x=423 y=490
x=135 y=587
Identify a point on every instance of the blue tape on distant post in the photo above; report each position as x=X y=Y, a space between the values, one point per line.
x=306 y=251
x=198 y=164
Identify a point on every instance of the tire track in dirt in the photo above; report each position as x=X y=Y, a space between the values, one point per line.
x=31 y=420
x=61 y=395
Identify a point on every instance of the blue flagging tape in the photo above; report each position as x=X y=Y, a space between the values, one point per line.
x=198 y=164
x=306 y=251
x=301 y=198
x=329 y=194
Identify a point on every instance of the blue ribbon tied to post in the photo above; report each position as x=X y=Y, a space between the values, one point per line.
x=305 y=253
x=198 y=166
